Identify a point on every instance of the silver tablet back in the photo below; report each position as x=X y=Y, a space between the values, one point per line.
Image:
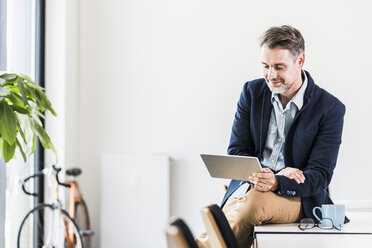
x=231 y=166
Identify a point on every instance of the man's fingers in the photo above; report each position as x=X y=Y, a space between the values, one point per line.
x=262 y=186
x=259 y=187
x=299 y=178
x=263 y=175
x=289 y=170
x=293 y=173
x=259 y=181
x=298 y=181
x=302 y=178
x=252 y=179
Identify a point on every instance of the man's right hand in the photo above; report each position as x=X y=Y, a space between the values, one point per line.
x=293 y=173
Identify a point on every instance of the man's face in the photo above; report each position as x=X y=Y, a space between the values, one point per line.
x=282 y=71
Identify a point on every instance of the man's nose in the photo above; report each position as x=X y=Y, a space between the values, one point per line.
x=271 y=73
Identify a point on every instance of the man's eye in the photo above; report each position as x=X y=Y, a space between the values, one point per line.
x=279 y=68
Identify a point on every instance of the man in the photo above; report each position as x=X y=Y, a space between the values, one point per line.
x=294 y=128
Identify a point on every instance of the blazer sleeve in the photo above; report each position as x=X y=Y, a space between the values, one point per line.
x=241 y=141
x=323 y=157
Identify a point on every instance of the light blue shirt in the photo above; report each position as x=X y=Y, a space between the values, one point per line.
x=280 y=121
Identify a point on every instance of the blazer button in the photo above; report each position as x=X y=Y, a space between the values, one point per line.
x=294 y=192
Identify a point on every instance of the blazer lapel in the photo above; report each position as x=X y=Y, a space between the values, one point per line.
x=265 y=118
x=307 y=99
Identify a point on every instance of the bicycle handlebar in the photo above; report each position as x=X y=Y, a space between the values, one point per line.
x=28 y=178
x=58 y=170
x=39 y=174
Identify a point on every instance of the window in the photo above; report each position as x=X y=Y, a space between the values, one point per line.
x=2 y=165
x=21 y=51
x=2 y=35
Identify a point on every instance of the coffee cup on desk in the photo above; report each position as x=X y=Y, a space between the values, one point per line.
x=336 y=213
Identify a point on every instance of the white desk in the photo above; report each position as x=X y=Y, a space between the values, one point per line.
x=357 y=233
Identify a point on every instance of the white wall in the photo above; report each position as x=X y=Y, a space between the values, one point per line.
x=165 y=76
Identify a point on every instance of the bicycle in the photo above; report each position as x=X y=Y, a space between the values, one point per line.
x=49 y=225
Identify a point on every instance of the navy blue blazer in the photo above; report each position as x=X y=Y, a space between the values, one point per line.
x=312 y=143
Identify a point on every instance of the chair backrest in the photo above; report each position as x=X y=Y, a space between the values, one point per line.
x=179 y=235
x=218 y=228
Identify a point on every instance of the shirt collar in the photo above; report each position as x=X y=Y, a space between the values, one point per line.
x=298 y=98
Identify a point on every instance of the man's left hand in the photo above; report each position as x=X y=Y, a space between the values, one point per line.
x=264 y=181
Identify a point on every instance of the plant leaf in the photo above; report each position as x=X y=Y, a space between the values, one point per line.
x=8 y=150
x=8 y=76
x=33 y=143
x=43 y=136
x=16 y=99
x=35 y=117
x=21 y=150
x=10 y=82
x=22 y=90
x=26 y=132
x=28 y=79
x=36 y=97
x=13 y=88
x=37 y=112
x=20 y=109
x=17 y=104
x=45 y=101
x=21 y=132
x=8 y=127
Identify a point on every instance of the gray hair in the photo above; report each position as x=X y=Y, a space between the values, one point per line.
x=284 y=36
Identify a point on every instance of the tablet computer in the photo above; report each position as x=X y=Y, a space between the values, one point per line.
x=231 y=166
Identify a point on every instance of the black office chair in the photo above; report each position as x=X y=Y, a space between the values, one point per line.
x=218 y=228
x=179 y=235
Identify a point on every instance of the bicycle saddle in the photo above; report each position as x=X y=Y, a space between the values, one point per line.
x=73 y=172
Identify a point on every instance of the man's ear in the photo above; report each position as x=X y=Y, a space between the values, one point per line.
x=301 y=60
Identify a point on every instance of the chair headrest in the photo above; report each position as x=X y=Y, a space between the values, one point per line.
x=224 y=226
x=189 y=237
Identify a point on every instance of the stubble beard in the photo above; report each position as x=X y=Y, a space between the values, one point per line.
x=283 y=88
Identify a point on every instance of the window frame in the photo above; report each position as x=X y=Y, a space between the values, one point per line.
x=38 y=70
x=3 y=30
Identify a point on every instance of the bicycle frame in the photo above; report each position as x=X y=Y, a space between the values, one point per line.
x=69 y=235
x=75 y=197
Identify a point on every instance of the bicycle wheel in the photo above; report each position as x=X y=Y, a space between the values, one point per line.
x=83 y=222
x=47 y=226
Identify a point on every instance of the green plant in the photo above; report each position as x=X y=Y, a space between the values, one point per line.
x=22 y=103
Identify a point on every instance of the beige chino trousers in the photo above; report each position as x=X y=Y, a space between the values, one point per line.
x=256 y=208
